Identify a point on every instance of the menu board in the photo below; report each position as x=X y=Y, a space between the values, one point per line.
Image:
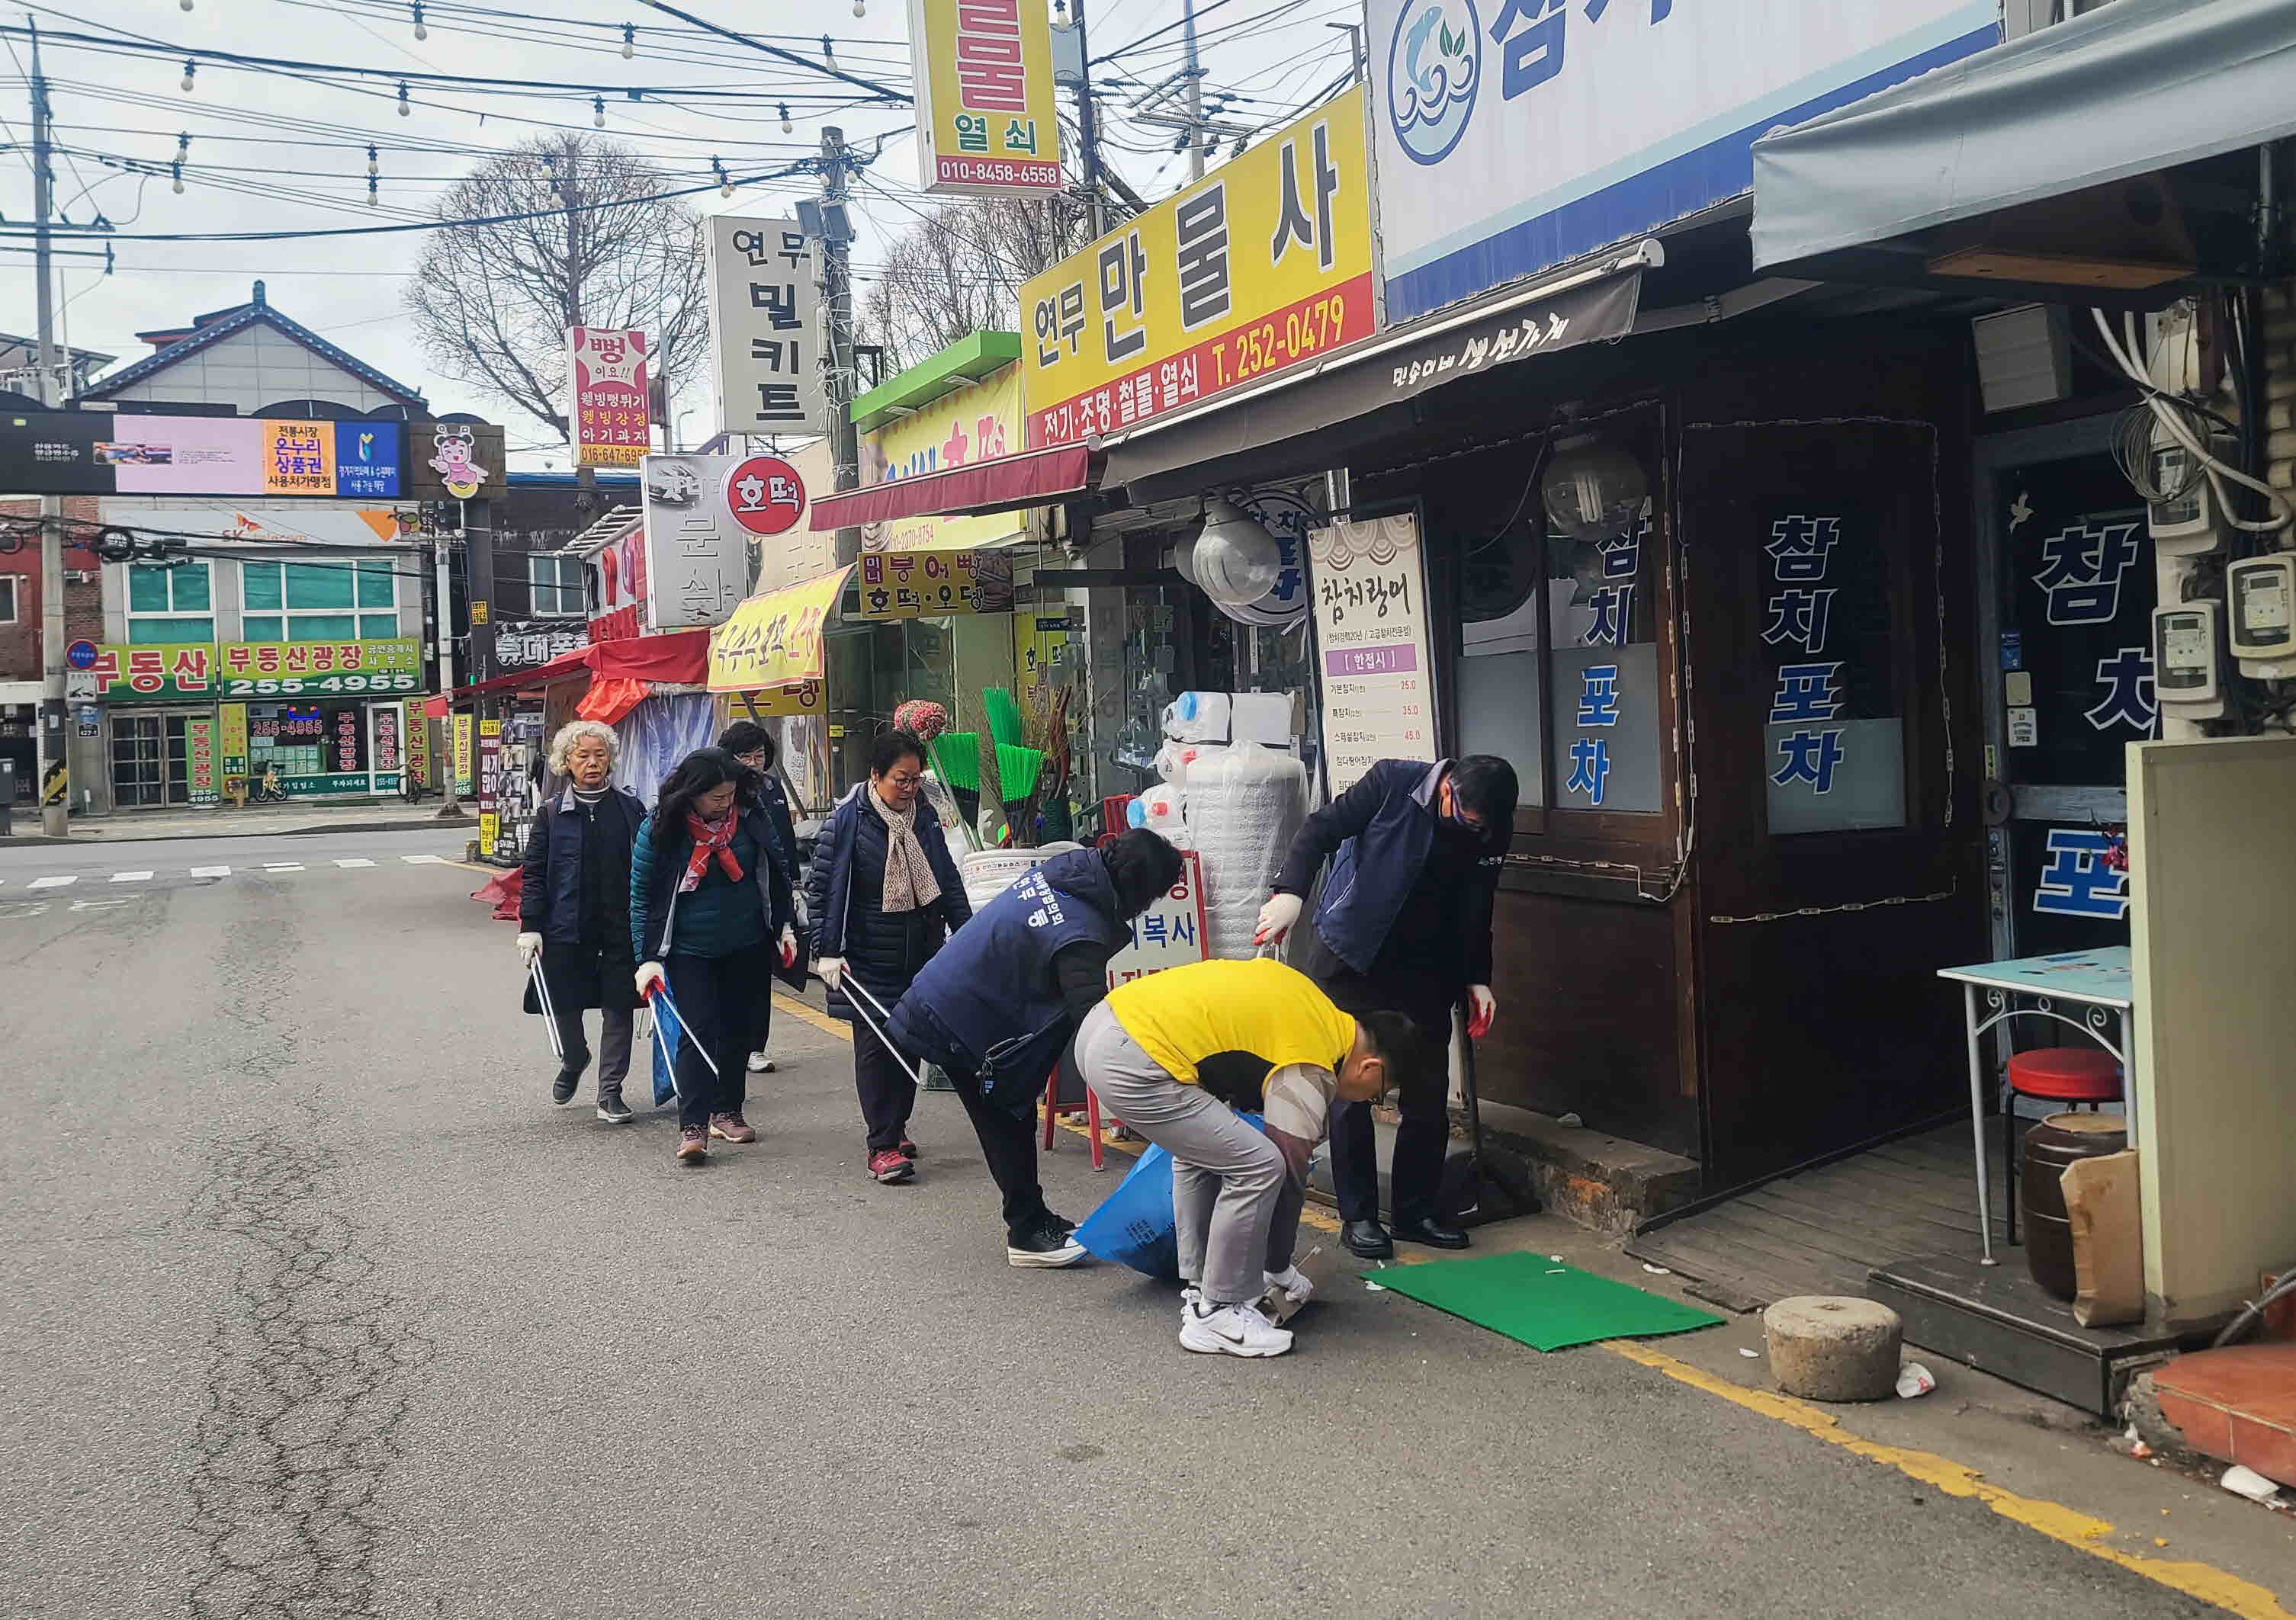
x=1370 y=588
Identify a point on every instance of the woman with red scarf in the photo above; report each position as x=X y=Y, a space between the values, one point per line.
x=711 y=913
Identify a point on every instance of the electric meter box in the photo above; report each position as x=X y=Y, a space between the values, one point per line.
x=2262 y=597
x=2187 y=673
x=2190 y=525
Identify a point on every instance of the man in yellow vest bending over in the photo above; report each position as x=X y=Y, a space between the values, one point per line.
x=1236 y=1193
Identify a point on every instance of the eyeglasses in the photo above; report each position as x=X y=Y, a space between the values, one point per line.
x=903 y=779
x=755 y=760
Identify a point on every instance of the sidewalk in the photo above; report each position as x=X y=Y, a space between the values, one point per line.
x=224 y=821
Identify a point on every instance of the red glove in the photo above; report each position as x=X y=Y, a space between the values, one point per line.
x=1482 y=1007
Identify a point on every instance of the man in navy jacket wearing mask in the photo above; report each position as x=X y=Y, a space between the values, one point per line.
x=1403 y=925
x=999 y=1004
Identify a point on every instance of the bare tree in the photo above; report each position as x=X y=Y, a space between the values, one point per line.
x=492 y=302
x=959 y=271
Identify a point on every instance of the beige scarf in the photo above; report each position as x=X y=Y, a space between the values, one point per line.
x=909 y=881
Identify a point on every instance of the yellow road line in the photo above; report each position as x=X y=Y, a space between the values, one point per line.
x=2073 y=1528
x=2082 y=1531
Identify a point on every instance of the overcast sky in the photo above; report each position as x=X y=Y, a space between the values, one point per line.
x=274 y=151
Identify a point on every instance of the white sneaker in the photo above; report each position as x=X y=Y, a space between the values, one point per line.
x=1190 y=1295
x=760 y=1064
x=1293 y=1281
x=1234 y=1329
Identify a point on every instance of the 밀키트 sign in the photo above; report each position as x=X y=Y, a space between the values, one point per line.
x=1170 y=933
x=916 y=584
x=764 y=322
x=987 y=122
x=775 y=640
x=1371 y=632
x=1264 y=263
x=607 y=416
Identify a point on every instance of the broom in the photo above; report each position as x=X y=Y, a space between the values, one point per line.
x=1017 y=770
x=956 y=755
x=1003 y=713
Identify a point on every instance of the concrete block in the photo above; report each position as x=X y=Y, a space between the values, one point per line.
x=1833 y=1348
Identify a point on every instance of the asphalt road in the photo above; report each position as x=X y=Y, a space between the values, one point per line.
x=316 y=1306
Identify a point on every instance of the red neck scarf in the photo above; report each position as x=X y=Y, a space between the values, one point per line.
x=709 y=842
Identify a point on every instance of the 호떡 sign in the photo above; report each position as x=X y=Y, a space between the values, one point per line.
x=987 y=122
x=1262 y=265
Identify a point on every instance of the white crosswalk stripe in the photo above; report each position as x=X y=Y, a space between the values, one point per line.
x=57 y=881
x=425 y=860
x=131 y=877
x=210 y=871
x=358 y=861
x=283 y=866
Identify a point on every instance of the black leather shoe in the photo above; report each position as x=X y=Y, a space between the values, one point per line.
x=562 y=1089
x=1367 y=1239
x=1434 y=1234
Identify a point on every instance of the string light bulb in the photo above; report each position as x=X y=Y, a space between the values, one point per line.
x=405 y=107
x=374 y=195
x=629 y=40
x=725 y=180
x=186 y=4
x=176 y=170
x=597 y=112
x=374 y=163
x=787 y=128
x=190 y=72
x=828 y=48
x=860 y=8
x=421 y=33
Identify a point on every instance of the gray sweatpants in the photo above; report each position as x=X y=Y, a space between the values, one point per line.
x=1234 y=1201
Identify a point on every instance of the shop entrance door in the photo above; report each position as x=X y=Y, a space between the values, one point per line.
x=2065 y=639
x=150 y=761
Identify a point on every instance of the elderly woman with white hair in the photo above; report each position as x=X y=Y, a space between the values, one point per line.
x=574 y=910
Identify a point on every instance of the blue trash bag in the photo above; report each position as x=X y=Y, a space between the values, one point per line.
x=667 y=1034
x=1135 y=1225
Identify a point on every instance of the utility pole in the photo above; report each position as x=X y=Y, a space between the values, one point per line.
x=1195 y=91
x=55 y=795
x=1088 y=127
x=837 y=311
x=450 y=798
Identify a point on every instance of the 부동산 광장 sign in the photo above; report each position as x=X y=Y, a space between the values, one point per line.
x=1262 y=265
x=1516 y=135
x=125 y=453
x=293 y=669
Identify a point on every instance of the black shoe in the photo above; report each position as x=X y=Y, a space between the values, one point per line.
x=1367 y=1239
x=1059 y=1222
x=1434 y=1234
x=561 y=1090
x=1043 y=1246
x=613 y=1111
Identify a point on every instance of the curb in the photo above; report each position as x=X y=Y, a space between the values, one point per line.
x=129 y=835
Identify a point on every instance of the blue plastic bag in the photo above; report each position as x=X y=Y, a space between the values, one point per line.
x=667 y=1033
x=1134 y=1225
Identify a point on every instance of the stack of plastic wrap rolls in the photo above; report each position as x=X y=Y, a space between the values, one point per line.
x=1245 y=804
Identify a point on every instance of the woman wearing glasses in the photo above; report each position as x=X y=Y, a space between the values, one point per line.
x=753 y=745
x=883 y=896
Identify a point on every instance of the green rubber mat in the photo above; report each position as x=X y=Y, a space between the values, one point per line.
x=1539 y=1302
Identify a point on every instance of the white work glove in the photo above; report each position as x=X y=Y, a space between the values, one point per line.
x=1276 y=919
x=831 y=970
x=1482 y=1007
x=530 y=946
x=649 y=975
x=789 y=946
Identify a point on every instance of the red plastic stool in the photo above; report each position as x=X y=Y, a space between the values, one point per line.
x=1054 y=1108
x=2056 y=1074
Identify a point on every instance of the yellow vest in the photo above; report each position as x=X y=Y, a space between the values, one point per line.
x=1182 y=1016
